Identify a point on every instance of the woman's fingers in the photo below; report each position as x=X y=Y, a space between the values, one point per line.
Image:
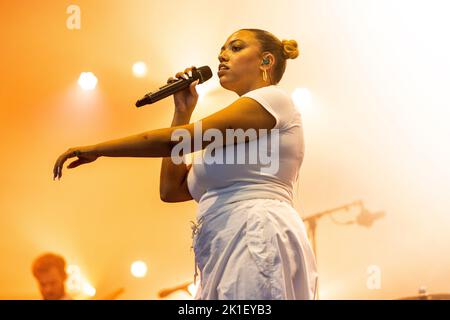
x=182 y=75
x=57 y=169
x=171 y=79
x=54 y=172
x=192 y=88
x=188 y=71
x=186 y=74
x=59 y=165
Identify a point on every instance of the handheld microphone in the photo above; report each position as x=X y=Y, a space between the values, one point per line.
x=202 y=74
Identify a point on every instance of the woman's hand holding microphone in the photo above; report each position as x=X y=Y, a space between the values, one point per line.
x=185 y=100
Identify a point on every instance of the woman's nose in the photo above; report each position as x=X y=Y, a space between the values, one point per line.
x=221 y=58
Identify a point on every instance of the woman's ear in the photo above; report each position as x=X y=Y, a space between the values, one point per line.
x=268 y=60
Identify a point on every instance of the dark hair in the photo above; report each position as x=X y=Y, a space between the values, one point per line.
x=282 y=50
x=47 y=261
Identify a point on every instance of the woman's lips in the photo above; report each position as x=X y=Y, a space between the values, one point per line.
x=221 y=71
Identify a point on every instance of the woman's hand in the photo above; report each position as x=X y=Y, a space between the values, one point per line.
x=185 y=100
x=84 y=154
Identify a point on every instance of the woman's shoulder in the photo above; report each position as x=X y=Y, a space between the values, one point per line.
x=271 y=93
x=272 y=88
x=278 y=102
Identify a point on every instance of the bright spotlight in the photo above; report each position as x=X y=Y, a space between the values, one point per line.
x=87 y=81
x=192 y=288
x=89 y=290
x=77 y=285
x=302 y=98
x=139 y=69
x=139 y=269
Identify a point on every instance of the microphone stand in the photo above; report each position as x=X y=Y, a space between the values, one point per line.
x=312 y=220
x=184 y=287
x=312 y=226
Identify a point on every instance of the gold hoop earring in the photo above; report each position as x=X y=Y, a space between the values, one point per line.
x=265 y=75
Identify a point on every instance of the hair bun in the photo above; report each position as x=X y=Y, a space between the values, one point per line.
x=290 y=49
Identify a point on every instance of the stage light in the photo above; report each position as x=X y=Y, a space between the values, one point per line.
x=88 y=289
x=302 y=98
x=77 y=285
x=139 y=69
x=192 y=288
x=139 y=269
x=87 y=81
x=74 y=279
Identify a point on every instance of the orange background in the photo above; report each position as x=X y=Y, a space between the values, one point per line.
x=377 y=130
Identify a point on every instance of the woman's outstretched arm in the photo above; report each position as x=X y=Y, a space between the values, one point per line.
x=154 y=143
x=245 y=113
x=150 y=144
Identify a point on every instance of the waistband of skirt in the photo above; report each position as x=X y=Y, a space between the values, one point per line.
x=214 y=204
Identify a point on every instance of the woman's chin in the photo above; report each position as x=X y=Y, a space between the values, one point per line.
x=222 y=81
x=225 y=84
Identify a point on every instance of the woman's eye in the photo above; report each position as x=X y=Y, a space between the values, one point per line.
x=236 y=48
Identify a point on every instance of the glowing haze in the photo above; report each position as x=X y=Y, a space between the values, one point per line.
x=375 y=77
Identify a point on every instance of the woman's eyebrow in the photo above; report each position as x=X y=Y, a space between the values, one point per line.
x=223 y=48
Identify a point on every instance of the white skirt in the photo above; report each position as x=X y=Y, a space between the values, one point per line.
x=254 y=249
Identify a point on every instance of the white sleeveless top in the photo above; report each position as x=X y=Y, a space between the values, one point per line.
x=214 y=185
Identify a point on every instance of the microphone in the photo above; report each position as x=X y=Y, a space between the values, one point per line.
x=202 y=74
x=366 y=218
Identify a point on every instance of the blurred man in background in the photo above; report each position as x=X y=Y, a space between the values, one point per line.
x=50 y=272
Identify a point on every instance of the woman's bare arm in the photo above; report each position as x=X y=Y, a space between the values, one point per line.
x=244 y=113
